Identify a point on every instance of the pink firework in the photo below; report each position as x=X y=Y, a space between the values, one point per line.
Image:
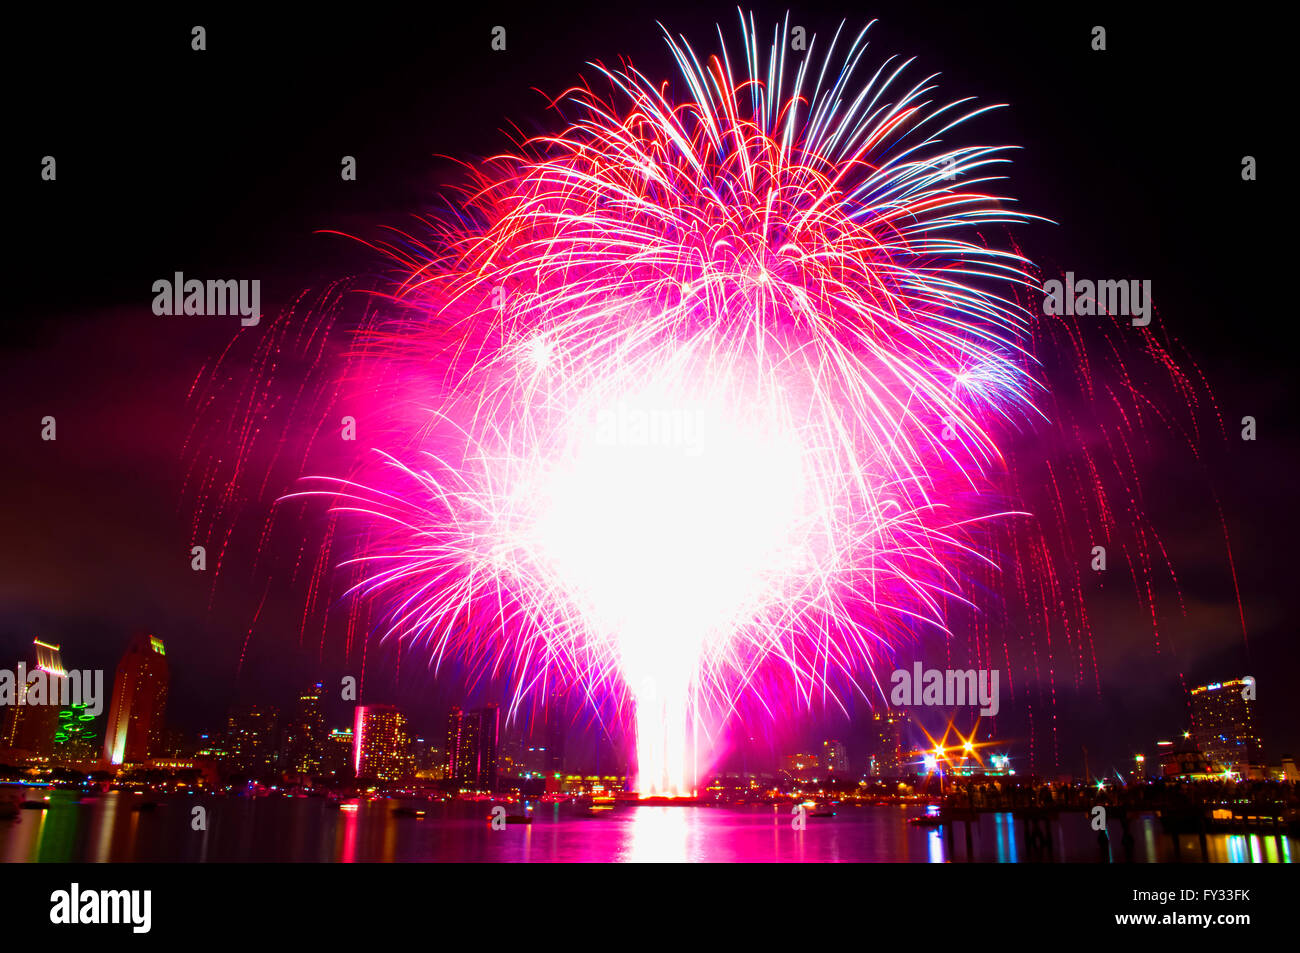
x=704 y=399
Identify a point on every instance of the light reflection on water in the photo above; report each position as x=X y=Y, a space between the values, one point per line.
x=307 y=829
x=660 y=834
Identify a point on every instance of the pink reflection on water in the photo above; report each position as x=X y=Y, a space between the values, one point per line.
x=658 y=835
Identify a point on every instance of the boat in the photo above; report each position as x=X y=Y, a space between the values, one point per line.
x=145 y=806
x=597 y=806
x=409 y=812
x=525 y=818
x=823 y=809
x=926 y=820
x=499 y=813
x=34 y=805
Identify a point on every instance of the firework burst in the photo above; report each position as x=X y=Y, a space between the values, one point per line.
x=697 y=393
x=706 y=406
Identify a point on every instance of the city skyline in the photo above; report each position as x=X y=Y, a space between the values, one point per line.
x=477 y=749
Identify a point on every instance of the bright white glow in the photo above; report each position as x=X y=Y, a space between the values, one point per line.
x=668 y=523
x=658 y=835
x=541 y=352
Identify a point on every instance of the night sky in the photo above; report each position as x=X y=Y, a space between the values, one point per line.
x=225 y=163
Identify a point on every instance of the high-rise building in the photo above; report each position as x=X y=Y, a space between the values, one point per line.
x=885 y=759
x=430 y=760
x=382 y=742
x=510 y=758
x=29 y=726
x=534 y=761
x=252 y=739
x=557 y=728
x=455 y=722
x=74 y=738
x=835 y=758
x=472 y=747
x=304 y=734
x=466 y=772
x=488 y=761
x=1222 y=724
x=135 y=719
x=336 y=757
x=462 y=733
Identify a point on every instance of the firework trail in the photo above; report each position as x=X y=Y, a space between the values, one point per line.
x=701 y=405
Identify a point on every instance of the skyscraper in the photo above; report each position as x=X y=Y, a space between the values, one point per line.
x=1222 y=724
x=488 y=762
x=467 y=751
x=472 y=747
x=455 y=726
x=251 y=741
x=430 y=760
x=337 y=759
x=510 y=756
x=383 y=744
x=556 y=729
x=834 y=758
x=29 y=726
x=305 y=733
x=534 y=761
x=74 y=737
x=135 y=719
x=886 y=755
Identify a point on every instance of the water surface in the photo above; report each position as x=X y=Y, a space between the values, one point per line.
x=307 y=829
